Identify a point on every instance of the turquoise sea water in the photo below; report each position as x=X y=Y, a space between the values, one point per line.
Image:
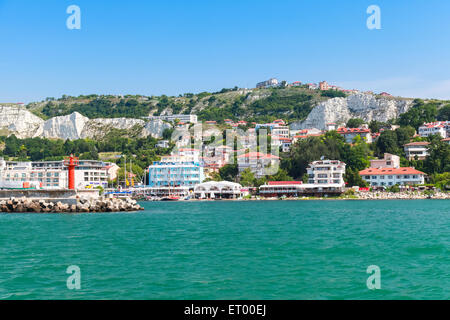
x=232 y=250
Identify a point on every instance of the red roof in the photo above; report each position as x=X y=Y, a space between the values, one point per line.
x=389 y=171
x=283 y=183
x=308 y=135
x=438 y=124
x=284 y=139
x=421 y=143
x=258 y=155
x=446 y=139
x=188 y=149
x=353 y=130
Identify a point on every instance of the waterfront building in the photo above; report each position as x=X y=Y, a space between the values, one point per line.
x=386 y=177
x=351 y=133
x=218 y=190
x=54 y=174
x=281 y=188
x=325 y=178
x=416 y=149
x=388 y=161
x=324 y=172
x=176 y=171
x=441 y=128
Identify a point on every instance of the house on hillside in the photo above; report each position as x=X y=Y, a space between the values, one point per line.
x=417 y=150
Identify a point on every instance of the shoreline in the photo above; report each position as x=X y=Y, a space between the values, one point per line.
x=365 y=197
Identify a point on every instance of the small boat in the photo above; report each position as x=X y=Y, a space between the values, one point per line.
x=170 y=198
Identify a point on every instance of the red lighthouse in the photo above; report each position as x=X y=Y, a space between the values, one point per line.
x=71 y=162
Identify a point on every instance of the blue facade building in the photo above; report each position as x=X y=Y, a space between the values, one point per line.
x=175 y=174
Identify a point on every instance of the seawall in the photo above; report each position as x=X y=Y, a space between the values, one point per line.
x=62 y=201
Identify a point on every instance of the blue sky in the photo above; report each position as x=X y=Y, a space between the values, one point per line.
x=173 y=47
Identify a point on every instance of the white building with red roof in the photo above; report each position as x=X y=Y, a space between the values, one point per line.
x=386 y=177
x=281 y=188
x=441 y=128
x=351 y=133
x=417 y=150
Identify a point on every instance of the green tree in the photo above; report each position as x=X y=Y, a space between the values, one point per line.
x=420 y=113
x=229 y=172
x=247 y=178
x=438 y=160
x=281 y=175
x=444 y=113
x=355 y=123
x=387 y=143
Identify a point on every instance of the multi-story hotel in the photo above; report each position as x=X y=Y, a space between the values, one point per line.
x=54 y=175
x=326 y=177
x=176 y=171
x=326 y=172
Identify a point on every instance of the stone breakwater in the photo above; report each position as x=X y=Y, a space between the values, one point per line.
x=402 y=196
x=25 y=205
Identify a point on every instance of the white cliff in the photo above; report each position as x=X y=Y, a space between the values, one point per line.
x=65 y=127
x=20 y=122
x=365 y=106
x=24 y=124
x=155 y=128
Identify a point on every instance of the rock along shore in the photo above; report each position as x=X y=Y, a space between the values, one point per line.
x=26 y=205
x=402 y=196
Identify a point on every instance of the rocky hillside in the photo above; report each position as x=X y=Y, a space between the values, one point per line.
x=24 y=124
x=362 y=106
x=94 y=116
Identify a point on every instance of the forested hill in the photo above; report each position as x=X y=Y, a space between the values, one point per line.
x=294 y=103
